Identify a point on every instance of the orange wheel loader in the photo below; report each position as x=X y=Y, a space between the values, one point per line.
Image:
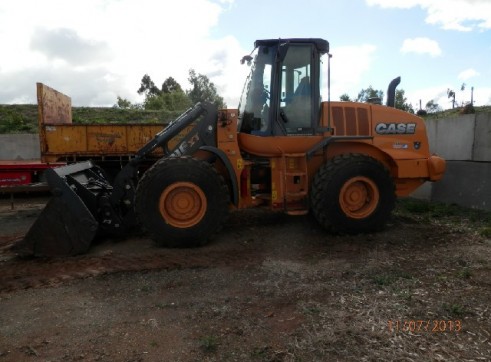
x=285 y=149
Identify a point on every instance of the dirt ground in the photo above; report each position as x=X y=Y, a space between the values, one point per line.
x=269 y=287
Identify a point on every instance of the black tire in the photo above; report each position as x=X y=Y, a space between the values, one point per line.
x=352 y=193
x=181 y=202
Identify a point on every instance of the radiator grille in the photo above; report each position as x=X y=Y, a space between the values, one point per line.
x=350 y=121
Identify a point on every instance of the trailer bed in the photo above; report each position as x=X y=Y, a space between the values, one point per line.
x=63 y=141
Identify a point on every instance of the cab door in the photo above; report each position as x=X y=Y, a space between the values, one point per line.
x=298 y=101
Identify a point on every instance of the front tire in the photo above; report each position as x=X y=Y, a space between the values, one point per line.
x=352 y=193
x=181 y=202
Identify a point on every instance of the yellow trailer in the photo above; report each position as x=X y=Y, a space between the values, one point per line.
x=63 y=141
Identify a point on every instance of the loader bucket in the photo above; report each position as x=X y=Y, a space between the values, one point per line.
x=66 y=226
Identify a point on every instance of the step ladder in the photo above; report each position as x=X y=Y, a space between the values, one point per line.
x=295 y=183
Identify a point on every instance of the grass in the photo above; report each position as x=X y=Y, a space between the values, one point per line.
x=208 y=343
x=22 y=118
x=451 y=213
x=383 y=279
x=147 y=288
x=165 y=305
x=485 y=232
x=454 y=309
x=455 y=112
x=405 y=294
x=18 y=118
x=464 y=273
x=261 y=352
x=388 y=278
x=311 y=310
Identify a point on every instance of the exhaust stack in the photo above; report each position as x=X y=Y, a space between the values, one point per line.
x=391 y=92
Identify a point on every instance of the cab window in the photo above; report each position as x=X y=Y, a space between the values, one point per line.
x=296 y=89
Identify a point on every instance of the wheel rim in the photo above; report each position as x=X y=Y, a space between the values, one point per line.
x=182 y=204
x=359 y=197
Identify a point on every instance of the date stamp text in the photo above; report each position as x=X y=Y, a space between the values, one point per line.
x=425 y=326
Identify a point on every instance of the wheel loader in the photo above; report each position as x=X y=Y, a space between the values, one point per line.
x=285 y=148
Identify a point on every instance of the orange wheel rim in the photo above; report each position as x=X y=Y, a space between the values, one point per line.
x=359 y=197
x=182 y=204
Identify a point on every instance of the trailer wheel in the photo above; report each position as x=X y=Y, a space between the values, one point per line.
x=352 y=193
x=181 y=202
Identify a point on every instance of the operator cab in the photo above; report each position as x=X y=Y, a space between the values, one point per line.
x=281 y=95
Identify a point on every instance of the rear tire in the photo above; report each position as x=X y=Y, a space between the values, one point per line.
x=352 y=193
x=181 y=202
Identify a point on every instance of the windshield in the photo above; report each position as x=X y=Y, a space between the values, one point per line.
x=254 y=103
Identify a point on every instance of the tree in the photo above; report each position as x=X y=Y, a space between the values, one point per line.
x=123 y=103
x=173 y=101
x=401 y=101
x=365 y=94
x=148 y=87
x=171 y=97
x=432 y=107
x=203 y=90
x=170 y=85
x=345 y=98
x=451 y=94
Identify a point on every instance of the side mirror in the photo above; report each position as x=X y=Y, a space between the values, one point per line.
x=246 y=59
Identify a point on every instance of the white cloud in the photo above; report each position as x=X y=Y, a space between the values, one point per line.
x=421 y=46
x=482 y=96
x=468 y=74
x=67 y=45
x=348 y=65
x=438 y=94
x=462 y=15
x=403 y=4
x=95 y=50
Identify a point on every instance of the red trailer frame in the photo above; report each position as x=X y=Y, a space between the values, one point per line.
x=23 y=173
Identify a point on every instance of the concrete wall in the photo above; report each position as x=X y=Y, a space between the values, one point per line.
x=19 y=147
x=482 y=138
x=465 y=183
x=461 y=138
x=465 y=143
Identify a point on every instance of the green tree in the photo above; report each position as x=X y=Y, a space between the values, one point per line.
x=148 y=87
x=173 y=101
x=170 y=85
x=123 y=103
x=345 y=98
x=177 y=101
x=365 y=94
x=401 y=101
x=432 y=107
x=171 y=97
x=203 y=90
x=451 y=95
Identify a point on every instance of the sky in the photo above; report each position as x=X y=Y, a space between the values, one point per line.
x=97 y=50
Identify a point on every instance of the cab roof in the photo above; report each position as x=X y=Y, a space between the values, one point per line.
x=321 y=44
